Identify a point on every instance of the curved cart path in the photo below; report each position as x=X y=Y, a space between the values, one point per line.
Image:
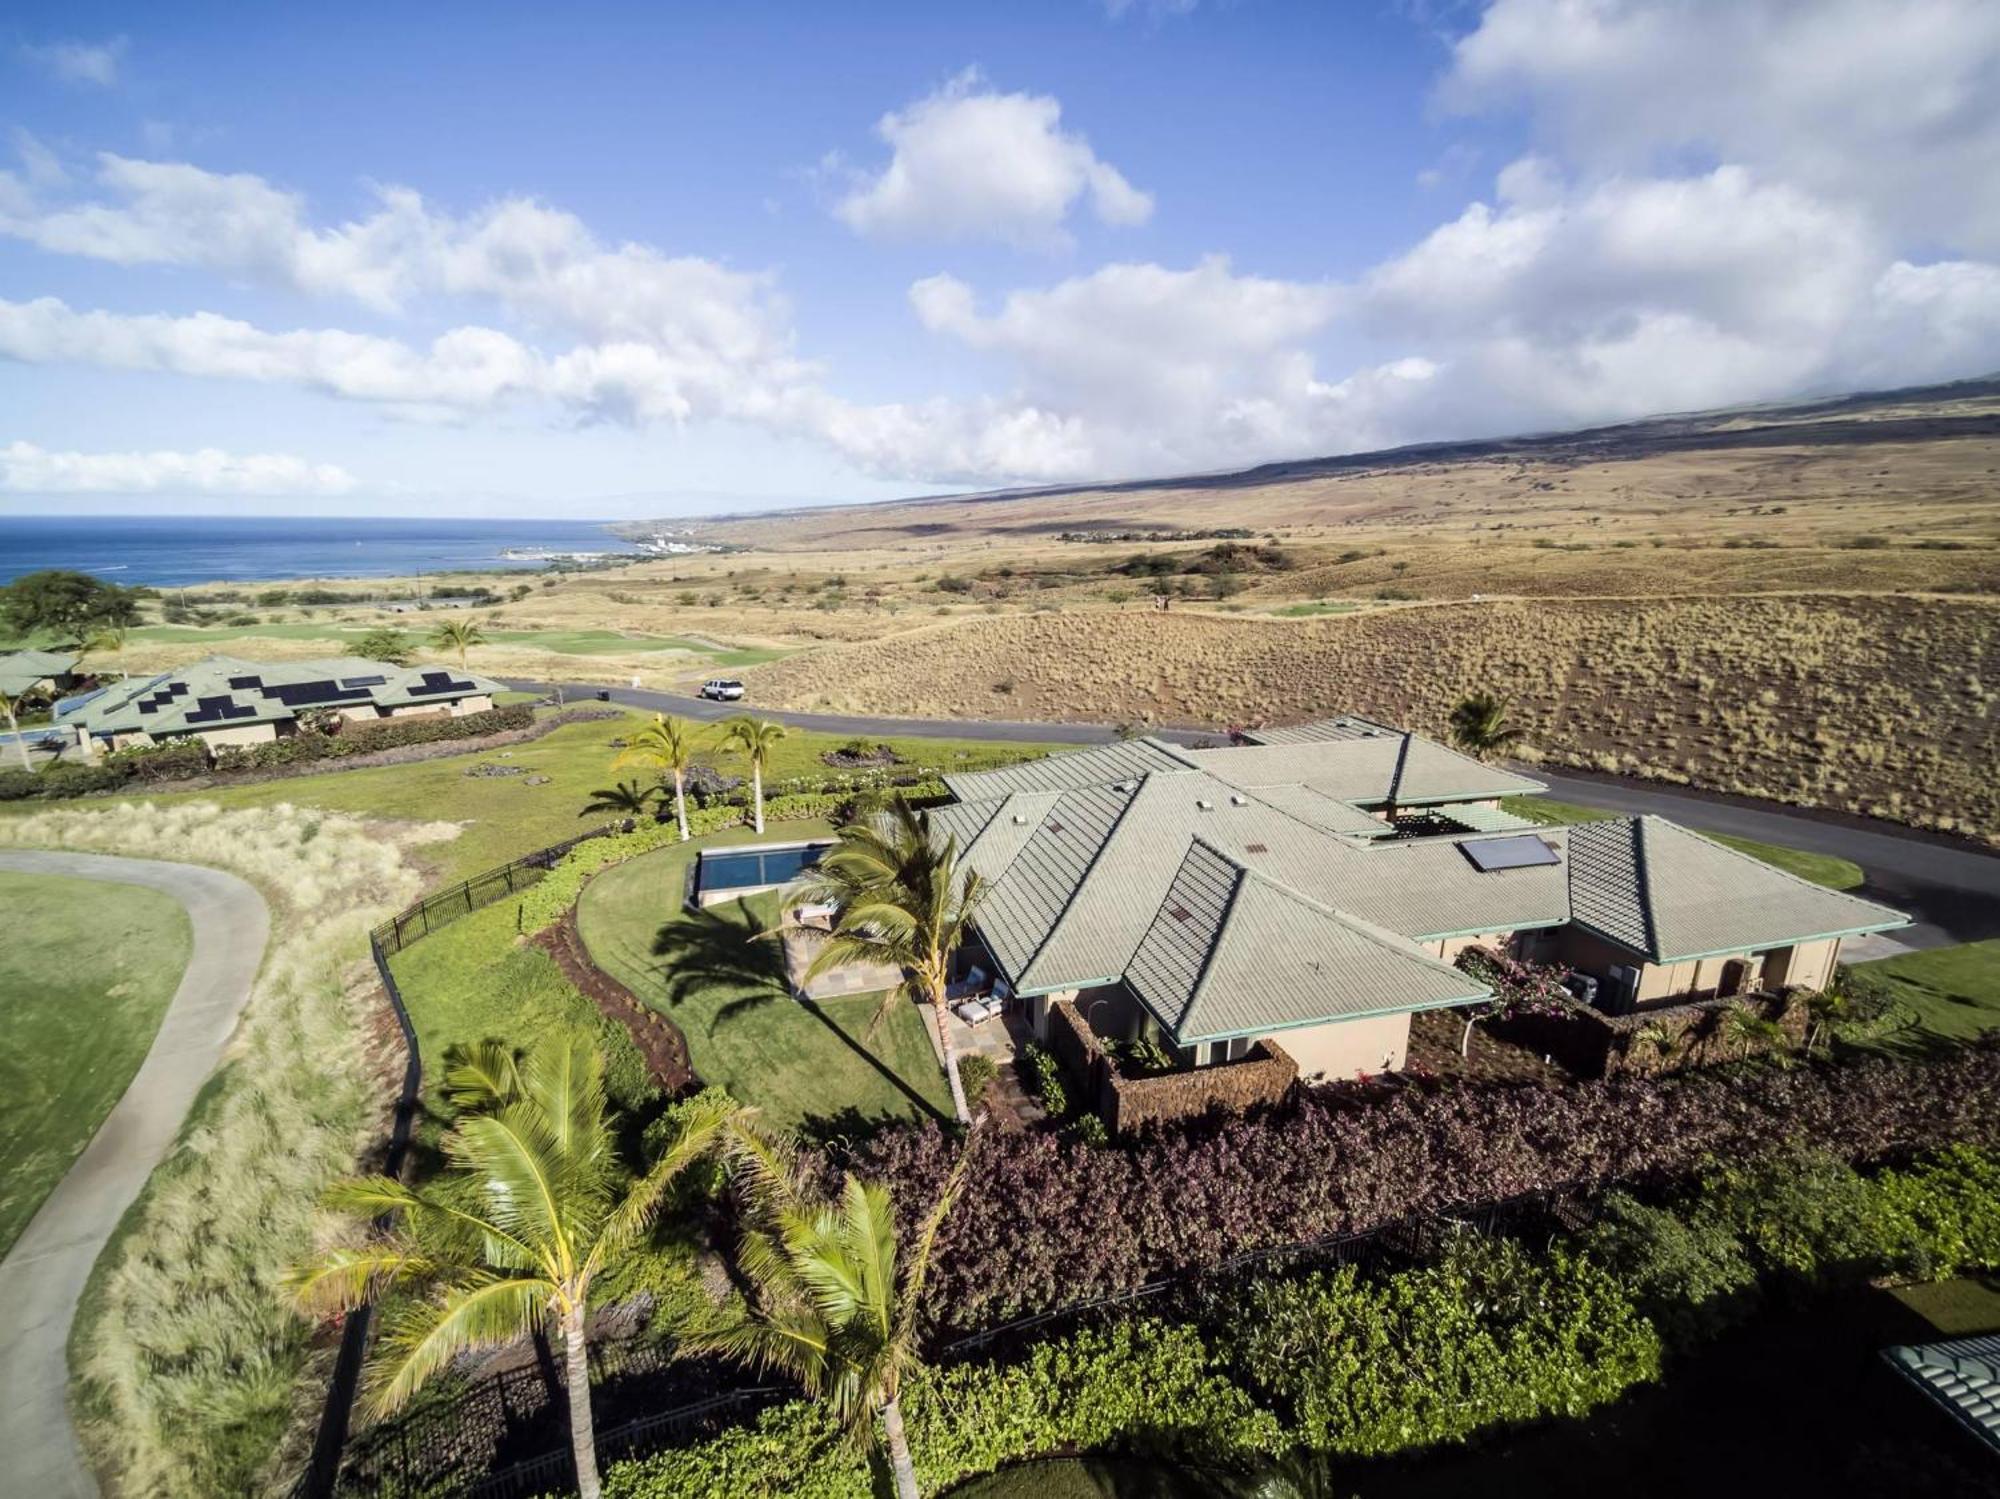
x=43 y=1275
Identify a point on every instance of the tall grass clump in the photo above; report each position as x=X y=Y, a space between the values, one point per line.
x=190 y=1373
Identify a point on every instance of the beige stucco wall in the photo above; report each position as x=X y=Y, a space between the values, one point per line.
x=478 y=703
x=1344 y=1049
x=419 y=710
x=249 y=733
x=1807 y=966
x=130 y=741
x=363 y=711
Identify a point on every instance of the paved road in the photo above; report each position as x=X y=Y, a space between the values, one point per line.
x=1951 y=888
x=44 y=1274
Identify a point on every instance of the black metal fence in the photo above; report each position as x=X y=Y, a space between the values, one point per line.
x=458 y=901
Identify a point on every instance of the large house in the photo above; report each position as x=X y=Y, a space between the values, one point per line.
x=24 y=672
x=224 y=701
x=1303 y=893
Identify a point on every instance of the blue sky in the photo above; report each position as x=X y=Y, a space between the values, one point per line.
x=642 y=259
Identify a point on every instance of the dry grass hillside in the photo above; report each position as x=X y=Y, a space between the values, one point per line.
x=1878 y=706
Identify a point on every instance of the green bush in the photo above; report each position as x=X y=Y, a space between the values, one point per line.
x=1688 y=1271
x=1045 y=1078
x=975 y=1074
x=1144 y=1385
x=1489 y=1335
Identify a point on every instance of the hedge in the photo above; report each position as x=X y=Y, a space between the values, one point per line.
x=1044 y=1223
x=544 y=904
x=1150 y=1382
x=187 y=758
x=1491 y=1335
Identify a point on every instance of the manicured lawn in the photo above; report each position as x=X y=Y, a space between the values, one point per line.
x=724 y=986
x=1953 y=993
x=504 y=816
x=85 y=975
x=1821 y=869
x=472 y=980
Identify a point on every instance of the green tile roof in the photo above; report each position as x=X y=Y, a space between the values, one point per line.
x=1962 y=1376
x=1231 y=952
x=1406 y=769
x=20 y=670
x=1654 y=887
x=1102 y=765
x=224 y=692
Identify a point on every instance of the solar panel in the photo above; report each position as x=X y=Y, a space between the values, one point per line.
x=1520 y=851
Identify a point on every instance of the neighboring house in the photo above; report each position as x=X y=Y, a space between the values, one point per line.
x=53 y=672
x=224 y=701
x=1303 y=894
x=1962 y=1378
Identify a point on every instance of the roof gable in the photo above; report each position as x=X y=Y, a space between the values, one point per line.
x=1101 y=765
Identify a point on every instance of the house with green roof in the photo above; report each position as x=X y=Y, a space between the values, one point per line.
x=23 y=672
x=1303 y=894
x=224 y=701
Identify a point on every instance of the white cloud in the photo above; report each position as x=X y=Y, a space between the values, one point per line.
x=1884 y=104
x=28 y=469
x=79 y=62
x=969 y=163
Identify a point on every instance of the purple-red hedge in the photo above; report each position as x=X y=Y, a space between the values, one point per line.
x=1044 y=1222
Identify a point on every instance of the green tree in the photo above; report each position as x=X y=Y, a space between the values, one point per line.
x=666 y=746
x=535 y=1207
x=756 y=738
x=1749 y=1030
x=626 y=799
x=1479 y=724
x=458 y=635
x=898 y=899
x=391 y=646
x=59 y=602
x=835 y=1299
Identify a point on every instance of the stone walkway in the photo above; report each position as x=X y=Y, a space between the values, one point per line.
x=43 y=1275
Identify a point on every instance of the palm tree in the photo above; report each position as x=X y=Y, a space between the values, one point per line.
x=1748 y=1029
x=667 y=746
x=898 y=898
x=835 y=1303
x=110 y=638
x=1479 y=724
x=626 y=799
x=756 y=737
x=538 y=1208
x=10 y=710
x=1828 y=1008
x=458 y=635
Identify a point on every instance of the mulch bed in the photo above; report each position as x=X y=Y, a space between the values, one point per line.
x=659 y=1040
x=1434 y=1053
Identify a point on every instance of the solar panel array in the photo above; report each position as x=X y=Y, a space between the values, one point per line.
x=1519 y=851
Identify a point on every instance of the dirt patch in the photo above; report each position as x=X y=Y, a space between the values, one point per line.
x=658 y=1039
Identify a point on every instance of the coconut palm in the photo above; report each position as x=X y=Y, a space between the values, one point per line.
x=1749 y=1030
x=10 y=710
x=458 y=635
x=110 y=638
x=626 y=799
x=1479 y=724
x=666 y=745
x=756 y=737
x=1827 y=1008
x=834 y=1301
x=536 y=1208
x=898 y=899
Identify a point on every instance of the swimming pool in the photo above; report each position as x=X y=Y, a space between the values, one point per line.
x=727 y=870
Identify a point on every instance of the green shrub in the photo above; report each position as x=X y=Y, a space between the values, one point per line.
x=975 y=1074
x=1951 y=1201
x=1688 y=1271
x=1144 y=1386
x=1489 y=1335
x=1045 y=1078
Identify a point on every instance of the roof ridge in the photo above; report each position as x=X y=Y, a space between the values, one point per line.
x=1382 y=936
x=1642 y=874
x=1752 y=859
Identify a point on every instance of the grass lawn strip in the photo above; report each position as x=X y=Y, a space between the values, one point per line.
x=1953 y=993
x=1822 y=869
x=503 y=815
x=84 y=979
x=723 y=985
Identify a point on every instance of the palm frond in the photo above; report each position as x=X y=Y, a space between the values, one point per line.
x=344 y=1277
x=482 y=1075
x=702 y=1120
x=422 y=1337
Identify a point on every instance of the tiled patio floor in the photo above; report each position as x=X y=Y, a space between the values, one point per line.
x=835 y=983
x=1001 y=1038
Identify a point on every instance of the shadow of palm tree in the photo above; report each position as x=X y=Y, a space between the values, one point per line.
x=720 y=947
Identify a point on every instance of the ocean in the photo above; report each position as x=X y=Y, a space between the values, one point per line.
x=173 y=551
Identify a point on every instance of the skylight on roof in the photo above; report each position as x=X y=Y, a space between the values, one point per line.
x=1521 y=851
